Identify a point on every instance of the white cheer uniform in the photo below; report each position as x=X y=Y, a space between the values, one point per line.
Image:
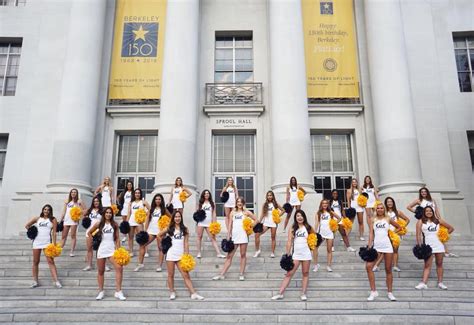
x=355 y=195
x=294 y=201
x=95 y=219
x=206 y=206
x=382 y=243
x=371 y=199
x=176 y=250
x=336 y=207
x=231 y=201
x=153 y=228
x=324 y=229
x=107 y=244
x=268 y=219
x=301 y=251
x=67 y=217
x=106 y=199
x=177 y=204
x=425 y=203
x=43 y=238
x=135 y=207
x=127 y=198
x=430 y=231
x=393 y=217
x=239 y=236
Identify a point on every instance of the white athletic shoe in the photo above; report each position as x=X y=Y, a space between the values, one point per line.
x=396 y=269
x=303 y=297
x=375 y=268
x=173 y=296
x=442 y=286
x=100 y=296
x=421 y=286
x=241 y=277
x=350 y=249
x=277 y=297
x=87 y=268
x=58 y=285
x=107 y=268
x=341 y=239
x=71 y=254
x=272 y=255
x=218 y=277
x=34 y=285
x=147 y=255
x=195 y=296
x=391 y=297
x=131 y=254
x=124 y=239
x=257 y=253
x=373 y=295
x=450 y=255
x=198 y=255
x=362 y=238
x=316 y=268
x=159 y=269
x=221 y=256
x=138 y=268
x=119 y=295
x=328 y=268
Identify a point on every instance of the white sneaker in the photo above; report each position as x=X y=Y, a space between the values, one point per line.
x=34 y=285
x=147 y=255
x=87 y=268
x=198 y=255
x=241 y=277
x=442 y=286
x=195 y=296
x=328 y=268
x=139 y=267
x=375 y=268
x=421 y=286
x=362 y=238
x=303 y=297
x=218 y=277
x=131 y=254
x=396 y=269
x=71 y=254
x=107 y=268
x=373 y=295
x=450 y=255
x=316 y=268
x=391 y=297
x=257 y=253
x=100 y=296
x=221 y=256
x=58 y=285
x=350 y=249
x=341 y=239
x=272 y=255
x=332 y=249
x=119 y=295
x=277 y=297
x=173 y=296
x=159 y=269
x=124 y=239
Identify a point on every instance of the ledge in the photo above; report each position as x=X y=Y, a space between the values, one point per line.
x=136 y=110
x=335 y=109
x=236 y=110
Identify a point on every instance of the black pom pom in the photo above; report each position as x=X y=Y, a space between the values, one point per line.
x=60 y=226
x=99 y=196
x=422 y=252
x=320 y=239
x=419 y=212
x=287 y=263
x=96 y=239
x=166 y=244
x=225 y=197
x=170 y=208
x=142 y=238
x=124 y=227
x=287 y=207
x=199 y=215
x=258 y=228
x=32 y=232
x=227 y=245
x=351 y=213
x=365 y=194
x=86 y=222
x=368 y=254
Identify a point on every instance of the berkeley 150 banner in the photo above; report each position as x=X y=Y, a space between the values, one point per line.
x=330 y=49
x=137 y=57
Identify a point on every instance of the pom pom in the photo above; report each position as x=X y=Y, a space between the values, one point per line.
x=124 y=227
x=60 y=226
x=402 y=223
x=96 y=239
x=170 y=208
x=227 y=245
x=215 y=228
x=140 y=216
x=121 y=256
x=187 y=263
x=286 y=262
x=53 y=250
x=351 y=213
x=347 y=224
x=86 y=222
x=32 y=232
x=320 y=239
x=258 y=228
x=225 y=197
x=443 y=234
x=312 y=241
x=164 y=222
x=287 y=207
x=276 y=216
x=418 y=212
x=333 y=225
x=368 y=254
x=199 y=215
x=115 y=209
x=394 y=238
x=247 y=224
x=183 y=196
x=75 y=213
x=422 y=252
x=142 y=238
x=166 y=244
x=362 y=200
x=300 y=195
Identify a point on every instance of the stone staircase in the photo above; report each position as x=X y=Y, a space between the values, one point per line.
x=338 y=297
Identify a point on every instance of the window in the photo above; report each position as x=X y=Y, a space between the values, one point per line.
x=233 y=58
x=3 y=153
x=464 y=53
x=16 y=3
x=470 y=140
x=9 y=65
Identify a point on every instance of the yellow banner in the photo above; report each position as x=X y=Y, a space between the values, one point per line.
x=137 y=57
x=330 y=49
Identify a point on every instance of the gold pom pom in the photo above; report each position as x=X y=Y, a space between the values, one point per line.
x=443 y=234
x=312 y=241
x=115 y=209
x=333 y=225
x=187 y=263
x=75 y=213
x=402 y=223
x=53 y=250
x=300 y=195
x=362 y=201
x=140 y=216
x=121 y=256
x=215 y=228
x=394 y=238
x=164 y=222
x=347 y=223
x=247 y=224
x=276 y=216
x=183 y=196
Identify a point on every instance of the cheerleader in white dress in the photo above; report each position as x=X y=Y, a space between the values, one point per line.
x=322 y=218
x=207 y=204
x=298 y=239
x=352 y=195
x=138 y=203
x=176 y=192
x=180 y=245
x=373 y=194
x=46 y=225
x=292 y=198
x=155 y=213
x=94 y=214
x=229 y=205
x=110 y=241
x=240 y=238
x=380 y=241
x=336 y=207
x=427 y=232
x=266 y=218
x=70 y=225
x=124 y=200
x=106 y=192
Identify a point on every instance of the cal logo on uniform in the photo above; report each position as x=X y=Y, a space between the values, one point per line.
x=326 y=8
x=140 y=39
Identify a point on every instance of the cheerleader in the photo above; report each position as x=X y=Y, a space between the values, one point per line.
x=155 y=213
x=105 y=192
x=229 y=205
x=394 y=215
x=237 y=233
x=380 y=241
x=207 y=204
x=180 y=245
x=337 y=208
x=427 y=232
x=175 y=194
x=46 y=225
x=298 y=239
x=138 y=203
x=94 y=214
x=69 y=224
x=124 y=200
x=267 y=219
x=292 y=198
x=352 y=195
x=110 y=241
x=373 y=194
x=322 y=218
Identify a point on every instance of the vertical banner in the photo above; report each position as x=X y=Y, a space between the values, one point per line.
x=330 y=49
x=137 y=54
